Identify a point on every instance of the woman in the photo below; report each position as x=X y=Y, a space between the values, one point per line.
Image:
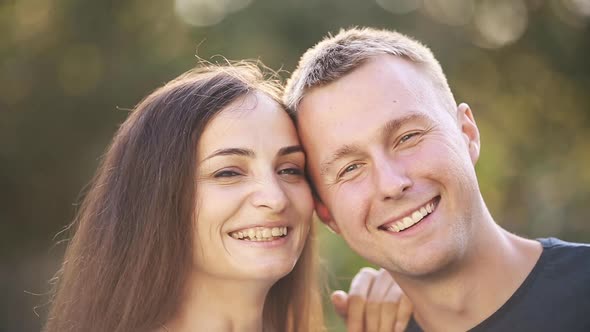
x=198 y=219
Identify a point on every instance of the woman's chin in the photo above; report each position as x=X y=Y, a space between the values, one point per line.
x=271 y=270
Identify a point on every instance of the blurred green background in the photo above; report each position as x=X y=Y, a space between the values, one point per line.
x=70 y=70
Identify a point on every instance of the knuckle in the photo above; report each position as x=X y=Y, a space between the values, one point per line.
x=368 y=270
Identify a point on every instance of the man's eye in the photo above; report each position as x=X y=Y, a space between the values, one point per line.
x=349 y=169
x=407 y=137
x=226 y=174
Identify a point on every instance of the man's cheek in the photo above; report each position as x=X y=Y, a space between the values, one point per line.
x=347 y=219
x=353 y=201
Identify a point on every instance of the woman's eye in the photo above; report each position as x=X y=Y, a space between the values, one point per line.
x=226 y=174
x=291 y=171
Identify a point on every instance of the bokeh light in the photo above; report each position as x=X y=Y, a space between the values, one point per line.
x=400 y=6
x=32 y=17
x=575 y=13
x=207 y=12
x=581 y=7
x=499 y=22
x=450 y=12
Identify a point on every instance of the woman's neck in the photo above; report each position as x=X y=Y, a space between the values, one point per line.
x=214 y=304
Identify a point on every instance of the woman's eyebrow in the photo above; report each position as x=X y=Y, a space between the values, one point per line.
x=231 y=152
x=290 y=149
x=250 y=153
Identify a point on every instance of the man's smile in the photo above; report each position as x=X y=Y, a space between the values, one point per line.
x=412 y=218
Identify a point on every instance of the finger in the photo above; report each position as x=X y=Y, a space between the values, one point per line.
x=362 y=281
x=404 y=313
x=355 y=319
x=390 y=306
x=388 y=316
x=372 y=314
x=394 y=293
x=376 y=306
x=381 y=285
x=340 y=302
x=359 y=288
x=389 y=303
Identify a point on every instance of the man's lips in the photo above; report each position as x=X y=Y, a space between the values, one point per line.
x=411 y=218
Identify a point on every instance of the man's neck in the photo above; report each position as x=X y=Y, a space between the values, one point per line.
x=221 y=305
x=474 y=288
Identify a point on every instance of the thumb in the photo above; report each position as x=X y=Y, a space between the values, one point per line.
x=340 y=302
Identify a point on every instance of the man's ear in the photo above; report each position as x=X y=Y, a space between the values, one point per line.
x=469 y=130
x=325 y=216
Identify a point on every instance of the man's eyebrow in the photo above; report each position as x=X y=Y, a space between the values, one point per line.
x=385 y=131
x=290 y=149
x=231 y=152
x=394 y=125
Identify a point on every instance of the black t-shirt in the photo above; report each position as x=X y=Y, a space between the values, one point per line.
x=554 y=297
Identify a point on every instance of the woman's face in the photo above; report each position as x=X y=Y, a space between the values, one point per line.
x=254 y=205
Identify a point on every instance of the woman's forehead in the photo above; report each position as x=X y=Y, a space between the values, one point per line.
x=249 y=122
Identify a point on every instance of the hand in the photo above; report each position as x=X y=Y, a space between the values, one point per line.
x=374 y=303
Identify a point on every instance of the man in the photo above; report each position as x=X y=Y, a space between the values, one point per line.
x=391 y=156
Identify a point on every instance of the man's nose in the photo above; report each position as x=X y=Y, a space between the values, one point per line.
x=391 y=178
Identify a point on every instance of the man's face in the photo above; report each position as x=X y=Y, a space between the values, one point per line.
x=393 y=167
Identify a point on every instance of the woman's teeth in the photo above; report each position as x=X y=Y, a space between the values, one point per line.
x=413 y=219
x=260 y=233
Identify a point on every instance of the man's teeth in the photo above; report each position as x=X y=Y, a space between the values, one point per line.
x=413 y=219
x=260 y=233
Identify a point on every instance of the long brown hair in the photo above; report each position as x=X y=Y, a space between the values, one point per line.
x=127 y=264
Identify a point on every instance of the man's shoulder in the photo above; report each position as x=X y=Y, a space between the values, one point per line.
x=562 y=256
x=555 y=249
x=556 y=293
x=552 y=243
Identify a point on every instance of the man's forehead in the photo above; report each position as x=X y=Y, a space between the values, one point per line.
x=382 y=76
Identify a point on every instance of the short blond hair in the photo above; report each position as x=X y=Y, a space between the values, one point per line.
x=336 y=56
